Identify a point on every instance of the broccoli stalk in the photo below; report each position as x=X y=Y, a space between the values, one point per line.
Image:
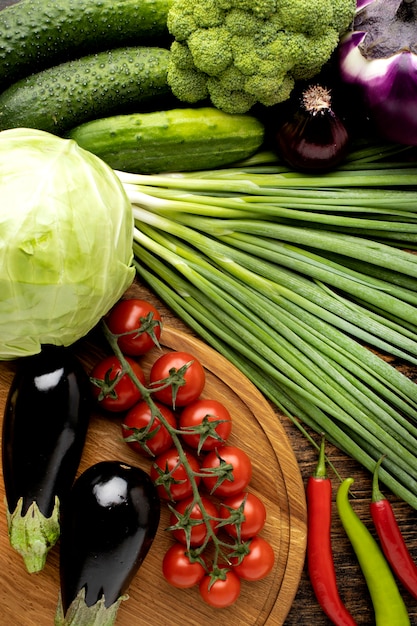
x=241 y=52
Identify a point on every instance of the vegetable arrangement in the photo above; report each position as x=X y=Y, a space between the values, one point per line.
x=107 y=519
x=284 y=272
x=204 y=479
x=379 y=564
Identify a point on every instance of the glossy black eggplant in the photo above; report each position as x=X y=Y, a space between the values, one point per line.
x=108 y=525
x=44 y=428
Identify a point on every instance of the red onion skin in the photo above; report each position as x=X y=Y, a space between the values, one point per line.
x=313 y=142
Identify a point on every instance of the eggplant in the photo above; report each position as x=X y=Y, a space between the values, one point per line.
x=108 y=525
x=44 y=429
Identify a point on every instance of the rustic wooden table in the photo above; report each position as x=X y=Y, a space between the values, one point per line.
x=305 y=610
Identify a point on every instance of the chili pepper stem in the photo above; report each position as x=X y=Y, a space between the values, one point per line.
x=321 y=471
x=377 y=494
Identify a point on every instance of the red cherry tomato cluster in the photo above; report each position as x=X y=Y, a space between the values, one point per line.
x=203 y=478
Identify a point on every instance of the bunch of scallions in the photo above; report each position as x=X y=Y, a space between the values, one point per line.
x=301 y=281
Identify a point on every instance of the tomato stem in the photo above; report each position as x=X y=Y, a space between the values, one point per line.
x=222 y=550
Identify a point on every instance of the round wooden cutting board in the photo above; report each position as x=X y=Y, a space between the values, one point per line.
x=30 y=599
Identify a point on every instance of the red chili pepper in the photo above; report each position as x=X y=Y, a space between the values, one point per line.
x=391 y=538
x=319 y=549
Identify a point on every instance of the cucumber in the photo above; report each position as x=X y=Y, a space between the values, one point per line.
x=97 y=85
x=35 y=34
x=174 y=140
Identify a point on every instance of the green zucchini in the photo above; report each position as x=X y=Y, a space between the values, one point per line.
x=35 y=34
x=175 y=140
x=94 y=86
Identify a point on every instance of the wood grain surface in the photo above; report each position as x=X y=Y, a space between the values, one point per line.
x=31 y=599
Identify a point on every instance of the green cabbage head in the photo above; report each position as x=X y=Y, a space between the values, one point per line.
x=66 y=232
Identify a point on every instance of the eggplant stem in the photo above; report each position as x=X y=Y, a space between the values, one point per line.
x=32 y=535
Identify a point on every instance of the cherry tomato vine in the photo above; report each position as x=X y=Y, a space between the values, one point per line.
x=214 y=519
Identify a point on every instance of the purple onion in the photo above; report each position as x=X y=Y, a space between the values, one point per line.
x=312 y=138
x=379 y=56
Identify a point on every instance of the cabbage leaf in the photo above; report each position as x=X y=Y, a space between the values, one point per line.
x=66 y=232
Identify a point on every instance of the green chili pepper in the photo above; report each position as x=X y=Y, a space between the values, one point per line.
x=388 y=604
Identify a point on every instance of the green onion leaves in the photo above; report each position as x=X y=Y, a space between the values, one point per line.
x=293 y=278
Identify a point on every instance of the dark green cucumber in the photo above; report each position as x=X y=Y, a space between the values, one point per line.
x=35 y=34
x=174 y=140
x=94 y=86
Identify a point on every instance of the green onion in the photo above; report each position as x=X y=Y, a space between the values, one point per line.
x=284 y=275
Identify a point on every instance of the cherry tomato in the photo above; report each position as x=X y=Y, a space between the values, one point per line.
x=223 y=592
x=178 y=570
x=236 y=479
x=253 y=510
x=138 y=323
x=258 y=563
x=198 y=416
x=198 y=533
x=188 y=378
x=125 y=393
x=154 y=441
x=170 y=475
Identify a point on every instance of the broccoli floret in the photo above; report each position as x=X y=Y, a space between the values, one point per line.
x=185 y=16
x=312 y=18
x=207 y=14
x=210 y=49
x=232 y=79
x=315 y=52
x=180 y=21
x=229 y=100
x=181 y=56
x=188 y=85
x=250 y=51
x=342 y=16
x=268 y=91
x=261 y=8
x=240 y=22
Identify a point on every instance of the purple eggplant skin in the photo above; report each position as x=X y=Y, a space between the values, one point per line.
x=44 y=429
x=109 y=523
x=378 y=57
x=45 y=424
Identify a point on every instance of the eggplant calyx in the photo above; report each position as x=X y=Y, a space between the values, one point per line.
x=390 y=27
x=32 y=535
x=80 y=614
